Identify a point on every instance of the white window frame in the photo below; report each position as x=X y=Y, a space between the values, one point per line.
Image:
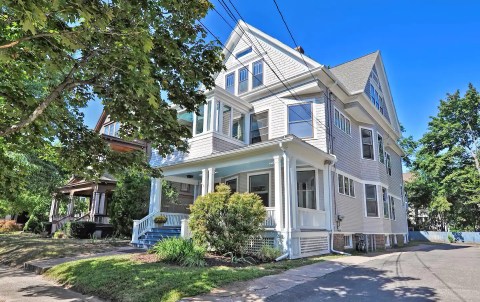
x=269 y=183
x=388 y=203
x=350 y=180
x=253 y=74
x=247 y=80
x=375 y=155
x=388 y=163
x=383 y=148
x=350 y=240
x=234 y=80
x=347 y=130
x=365 y=199
x=317 y=187
x=391 y=206
x=311 y=118
x=250 y=124
x=232 y=178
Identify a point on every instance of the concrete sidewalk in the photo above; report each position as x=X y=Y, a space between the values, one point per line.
x=18 y=285
x=261 y=288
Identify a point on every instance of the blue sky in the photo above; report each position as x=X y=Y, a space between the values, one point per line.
x=429 y=47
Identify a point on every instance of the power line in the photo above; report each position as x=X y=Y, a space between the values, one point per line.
x=218 y=40
x=293 y=94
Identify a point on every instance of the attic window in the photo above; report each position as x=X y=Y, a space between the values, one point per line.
x=244 y=52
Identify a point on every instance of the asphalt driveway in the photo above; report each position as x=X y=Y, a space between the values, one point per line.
x=435 y=273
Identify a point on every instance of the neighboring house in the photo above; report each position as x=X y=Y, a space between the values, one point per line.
x=322 y=154
x=418 y=217
x=88 y=200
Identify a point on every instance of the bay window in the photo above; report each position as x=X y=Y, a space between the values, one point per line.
x=238 y=125
x=367 y=143
x=259 y=127
x=199 y=120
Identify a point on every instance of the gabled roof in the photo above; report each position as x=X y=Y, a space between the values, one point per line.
x=354 y=74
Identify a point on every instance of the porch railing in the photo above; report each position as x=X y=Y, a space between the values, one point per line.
x=270 y=220
x=143 y=225
x=312 y=219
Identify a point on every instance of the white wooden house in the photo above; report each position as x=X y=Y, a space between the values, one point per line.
x=319 y=146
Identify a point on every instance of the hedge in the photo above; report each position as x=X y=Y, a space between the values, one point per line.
x=80 y=229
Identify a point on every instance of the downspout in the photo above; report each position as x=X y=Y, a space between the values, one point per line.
x=331 y=183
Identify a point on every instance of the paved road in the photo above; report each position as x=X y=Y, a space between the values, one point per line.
x=17 y=285
x=437 y=273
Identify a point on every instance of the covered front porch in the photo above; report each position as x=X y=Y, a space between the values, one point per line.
x=86 y=201
x=290 y=175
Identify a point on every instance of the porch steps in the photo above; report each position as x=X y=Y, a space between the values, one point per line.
x=151 y=237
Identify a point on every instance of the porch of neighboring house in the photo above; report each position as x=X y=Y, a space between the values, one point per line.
x=291 y=177
x=86 y=201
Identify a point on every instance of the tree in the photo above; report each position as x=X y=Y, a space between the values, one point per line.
x=226 y=222
x=56 y=55
x=448 y=162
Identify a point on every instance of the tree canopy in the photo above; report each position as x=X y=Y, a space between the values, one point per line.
x=446 y=164
x=137 y=57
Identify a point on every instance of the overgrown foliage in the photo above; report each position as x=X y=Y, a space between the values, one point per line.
x=80 y=229
x=56 y=56
x=226 y=222
x=180 y=251
x=446 y=182
x=268 y=253
x=8 y=226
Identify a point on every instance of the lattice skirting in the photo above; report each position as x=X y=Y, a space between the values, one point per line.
x=255 y=243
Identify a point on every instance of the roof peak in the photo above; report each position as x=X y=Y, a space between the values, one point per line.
x=376 y=52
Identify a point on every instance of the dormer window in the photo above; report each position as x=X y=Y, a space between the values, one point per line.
x=112 y=129
x=244 y=52
x=242 y=80
x=230 y=82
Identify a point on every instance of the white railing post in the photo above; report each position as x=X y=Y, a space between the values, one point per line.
x=277 y=165
x=135 y=231
x=184 y=230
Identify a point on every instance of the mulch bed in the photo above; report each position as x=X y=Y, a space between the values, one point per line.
x=211 y=259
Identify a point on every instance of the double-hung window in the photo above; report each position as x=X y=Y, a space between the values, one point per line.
x=381 y=151
x=257 y=79
x=371 y=203
x=238 y=125
x=242 y=80
x=346 y=185
x=342 y=122
x=367 y=144
x=230 y=82
x=259 y=127
x=347 y=241
x=306 y=189
x=300 y=120
x=388 y=164
x=392 y=208
x=199 y=119
x=259 y=184
x=386 y=210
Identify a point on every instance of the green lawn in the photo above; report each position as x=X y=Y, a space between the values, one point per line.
x=119 y=278
x=18 y=248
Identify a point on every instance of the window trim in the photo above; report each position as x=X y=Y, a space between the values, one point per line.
x=391 y=205
x=365 y=200
x=250 y=116
x=383 y=149
x=303 y=121
x=350 y=239
x=269 y=183
x=254 y=75
x=340 y=114
x=388 y=203
x=388 y=163
x=233 y=73
x=317 y=187
x=231 y=178
x=373 y=144
x=246 y=80
x=244 y=52
x=343 y=184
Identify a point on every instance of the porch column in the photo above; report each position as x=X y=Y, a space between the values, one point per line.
x=293 y=192
x=53 y=208
x=286 y=181
x=327 y=196
x=195 y=192
x=70 y=211
x=204 y=181
x=155 y=196
x=277 y=170
x=211 y=180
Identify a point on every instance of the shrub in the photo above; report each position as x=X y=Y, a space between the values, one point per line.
x=59 y=235
x=226 y=222
x=80 y=229
x=33 y=225
x=47 y=227
x=450 y=238
x=268 y=253
x=180 y=251
x=8 y=226
x=160 y=219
